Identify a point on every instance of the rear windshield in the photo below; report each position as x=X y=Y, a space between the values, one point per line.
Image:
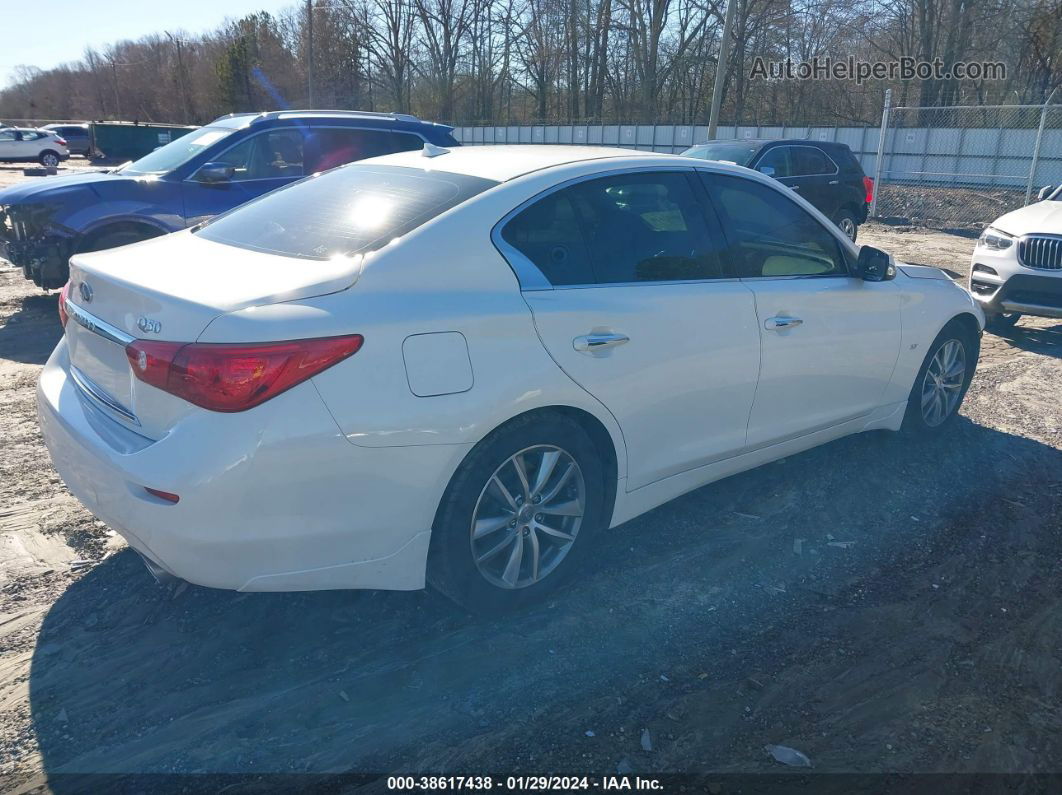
x=739 y=153
x=349 y=210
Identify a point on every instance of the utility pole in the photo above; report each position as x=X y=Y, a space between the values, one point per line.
x=181 y=87
x=114 y=81
x=720 y=69
x=309 y=51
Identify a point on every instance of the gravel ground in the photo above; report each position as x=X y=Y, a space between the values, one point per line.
x=883 y=604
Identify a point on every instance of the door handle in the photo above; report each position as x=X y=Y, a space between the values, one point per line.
x=835 y=182
x=592 y=343
x=794 y=187
x=780 y=323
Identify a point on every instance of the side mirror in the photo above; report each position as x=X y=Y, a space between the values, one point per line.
x=1045 y=191
x=213 y=173
x=875 y=265
x=768 y=170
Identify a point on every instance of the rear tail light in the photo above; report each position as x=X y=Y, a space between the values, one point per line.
x=868 y=186
x=60 y=141
x=63 y=316
x=235 y=377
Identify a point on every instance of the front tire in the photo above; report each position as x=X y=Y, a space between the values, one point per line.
x=942 y=380
x=48 y=159
x=519 y=516
x=1002 y=321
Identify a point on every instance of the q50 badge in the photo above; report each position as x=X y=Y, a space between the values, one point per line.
x=148 y=326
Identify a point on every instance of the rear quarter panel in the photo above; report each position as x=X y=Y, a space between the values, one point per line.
x=445 y=277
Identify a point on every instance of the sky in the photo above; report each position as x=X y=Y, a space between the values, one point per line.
x=72 y=25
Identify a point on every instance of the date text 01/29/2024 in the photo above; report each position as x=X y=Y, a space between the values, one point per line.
x=522 y=783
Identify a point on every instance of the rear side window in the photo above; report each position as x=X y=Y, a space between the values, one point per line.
x=772 y=235
x=343 y=212
x=809 y=162
x=549 y=233
x=620 y=229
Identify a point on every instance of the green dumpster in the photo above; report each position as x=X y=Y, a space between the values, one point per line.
x=127 y=140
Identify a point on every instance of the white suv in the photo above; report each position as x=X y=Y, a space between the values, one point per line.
x=24 y=144
x=1017 y=266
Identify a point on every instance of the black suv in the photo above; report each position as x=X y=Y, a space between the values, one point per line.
x=827 y=174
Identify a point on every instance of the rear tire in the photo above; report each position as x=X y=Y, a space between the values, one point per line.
x=942 y=380
x=48 y=159
x=498 y=545
x=847 y=223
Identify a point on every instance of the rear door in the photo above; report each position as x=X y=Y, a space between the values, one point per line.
x=829 y=340
x=263 y=162
x=623 y=275
x=817 y=178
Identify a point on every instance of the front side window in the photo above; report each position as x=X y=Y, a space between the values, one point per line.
x=277 y=154
x=625 y=228
x=776 y=163
x=343 y=212
x=772 y=235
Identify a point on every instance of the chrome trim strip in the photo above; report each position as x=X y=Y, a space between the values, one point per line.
x=87 y=386
x=97 y=326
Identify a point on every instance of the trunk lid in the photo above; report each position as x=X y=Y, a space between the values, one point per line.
x=171 y=288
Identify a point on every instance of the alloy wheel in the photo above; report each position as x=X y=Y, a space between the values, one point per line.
x=943 y=382
x=527 y=516
x=848 y=226
x=51 y=161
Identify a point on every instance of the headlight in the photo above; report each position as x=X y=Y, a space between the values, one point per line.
x=995 y=240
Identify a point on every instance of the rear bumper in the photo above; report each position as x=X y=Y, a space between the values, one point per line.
x=272 y=499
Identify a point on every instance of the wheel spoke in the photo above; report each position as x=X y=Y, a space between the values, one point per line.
x=484 y=527
x=533 y=538
x=553 y=532
x=561 y=481
x=568 y=508
x=512 y=568
x=493 y=551
x=521 y=472
x=496 y=482
x=545 y=470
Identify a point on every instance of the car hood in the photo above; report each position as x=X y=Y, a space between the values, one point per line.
x=48 y=187
x=1043 y=217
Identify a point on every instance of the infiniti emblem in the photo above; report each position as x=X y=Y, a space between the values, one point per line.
x=148 y=326
x=86 y=292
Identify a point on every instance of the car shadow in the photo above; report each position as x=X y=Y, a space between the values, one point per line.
x=1045 y=340
x=32 y=332
x=746 y=574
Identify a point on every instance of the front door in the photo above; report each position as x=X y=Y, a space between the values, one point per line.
x=261 y=163
x=639 y=313
x=829 y=340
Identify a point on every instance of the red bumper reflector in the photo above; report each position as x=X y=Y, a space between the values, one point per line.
x=162 y=495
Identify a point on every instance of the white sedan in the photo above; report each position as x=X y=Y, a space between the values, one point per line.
x=458 y=367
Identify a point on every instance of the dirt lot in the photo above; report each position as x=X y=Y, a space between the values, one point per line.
x=885 y=605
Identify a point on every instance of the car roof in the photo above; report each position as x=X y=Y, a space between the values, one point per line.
x=504 y=162
x=239 y=121
x=765 y=141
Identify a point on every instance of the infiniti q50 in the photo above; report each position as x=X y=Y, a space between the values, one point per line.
x=462 y=367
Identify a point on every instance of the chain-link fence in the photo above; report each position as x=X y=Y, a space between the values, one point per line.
x=963 y=167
